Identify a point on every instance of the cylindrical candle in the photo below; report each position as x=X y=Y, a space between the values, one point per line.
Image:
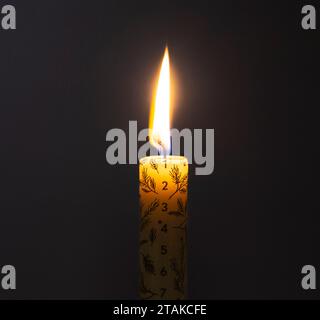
x=163 y=219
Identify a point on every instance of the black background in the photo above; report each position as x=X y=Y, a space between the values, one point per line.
x=74 y=69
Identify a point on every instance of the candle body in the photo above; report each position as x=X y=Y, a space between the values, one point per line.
x=163 y=220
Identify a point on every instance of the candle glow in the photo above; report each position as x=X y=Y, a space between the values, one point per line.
x=160 y=110
x=163 y=189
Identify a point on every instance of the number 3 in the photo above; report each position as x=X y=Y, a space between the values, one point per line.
x=164 y=206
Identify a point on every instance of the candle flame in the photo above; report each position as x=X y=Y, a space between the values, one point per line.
x=160 y=110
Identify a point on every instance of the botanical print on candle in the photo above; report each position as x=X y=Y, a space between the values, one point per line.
x=163 y=219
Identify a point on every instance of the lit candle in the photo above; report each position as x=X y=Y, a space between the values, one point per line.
x=163 y=201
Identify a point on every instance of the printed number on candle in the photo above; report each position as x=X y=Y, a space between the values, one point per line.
x=165 y=185
x=164 y=249
x=164 y=228
x=164 y=206
x=163 y=291
x=163 y=271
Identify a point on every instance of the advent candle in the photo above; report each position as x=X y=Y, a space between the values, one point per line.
x=163 y=202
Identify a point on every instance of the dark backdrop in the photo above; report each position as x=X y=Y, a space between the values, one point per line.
x=74 y=69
